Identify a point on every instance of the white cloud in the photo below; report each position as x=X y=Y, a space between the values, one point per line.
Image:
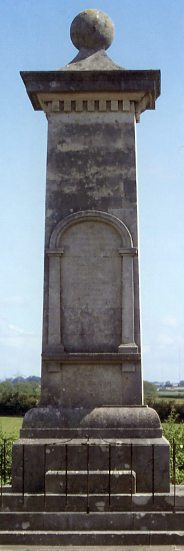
x=19 y=330
x=16 y=337
x=16 y=328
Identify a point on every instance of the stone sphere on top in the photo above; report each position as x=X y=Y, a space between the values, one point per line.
x=92 y=30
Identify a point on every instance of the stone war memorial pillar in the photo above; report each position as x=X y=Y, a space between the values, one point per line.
x=91 y=386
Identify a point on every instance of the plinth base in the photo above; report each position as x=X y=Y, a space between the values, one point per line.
x=124 y=520
x=110 y=440
x=99 y=422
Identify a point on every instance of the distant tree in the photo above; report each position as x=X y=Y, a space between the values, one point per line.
x=16 y=399
x=149 y=389
x=181 y=383
x=6 y=386
x=168 y=384
x=34 y=378
x=19 y=379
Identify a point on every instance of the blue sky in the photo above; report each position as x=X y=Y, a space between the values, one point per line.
x=35 y=36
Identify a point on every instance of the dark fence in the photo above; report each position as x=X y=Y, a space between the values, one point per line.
x=5 y=460
x=6 y=466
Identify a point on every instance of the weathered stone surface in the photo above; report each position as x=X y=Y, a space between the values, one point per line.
x=136 y=420
x=101 y=538
x=144 y=455
x=84 y=289
x=120 y=482
x=92 y=30
x=94 y=522
x=135 y=519
x=91 y=269
x=93 y=156
x=171 y=501
x=72 y=78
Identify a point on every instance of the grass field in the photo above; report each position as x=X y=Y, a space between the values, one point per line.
x=11 y=425
x=170 y=394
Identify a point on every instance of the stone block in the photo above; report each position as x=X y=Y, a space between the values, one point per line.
x=90 y=482
x=147 y=458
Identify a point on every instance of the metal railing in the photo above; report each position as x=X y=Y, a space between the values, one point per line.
x=110 y=470
x=5 y=460
x=6 y=464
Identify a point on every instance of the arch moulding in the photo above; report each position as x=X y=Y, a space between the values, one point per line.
x=90 y=215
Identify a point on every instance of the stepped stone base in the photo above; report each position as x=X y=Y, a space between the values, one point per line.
x=11 y=501
x=105 y=482
x=94 y=539
x=144 y=520
x=99 y=439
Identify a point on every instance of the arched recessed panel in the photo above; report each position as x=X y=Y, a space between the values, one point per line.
x=126 y=239
x=91 y=291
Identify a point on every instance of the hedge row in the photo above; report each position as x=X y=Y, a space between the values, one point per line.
x=165 y=407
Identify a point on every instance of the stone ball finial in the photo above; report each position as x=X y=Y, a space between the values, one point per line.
x=92 y=30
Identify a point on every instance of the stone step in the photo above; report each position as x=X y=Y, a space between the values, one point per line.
x=99 y=502
x=112 y=538
x=94 y=482
x=145 y=521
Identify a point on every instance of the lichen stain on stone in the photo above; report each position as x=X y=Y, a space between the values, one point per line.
x=102 y=192
x=130 y=191
x=53 y=175
x=70 y=188
x=100 y=505
x=88 y=159
x=70 y=146
x=96 y=134
x=49 y=213
x=103 y=449
x=64 y=201
x=25 y=525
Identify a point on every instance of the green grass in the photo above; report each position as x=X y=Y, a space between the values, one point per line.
x=11 y=425
x=170 y=394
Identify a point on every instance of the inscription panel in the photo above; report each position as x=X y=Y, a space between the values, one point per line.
x=95 y=385
x=91 y=288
